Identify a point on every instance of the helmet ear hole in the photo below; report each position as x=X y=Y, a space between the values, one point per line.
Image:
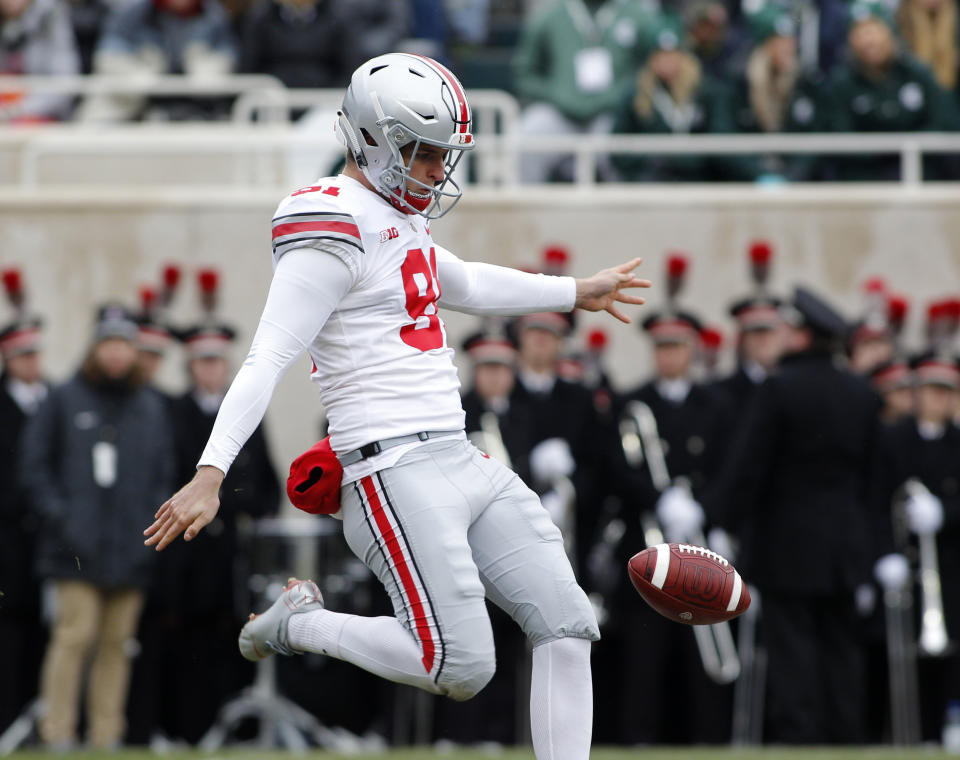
x=368 y=138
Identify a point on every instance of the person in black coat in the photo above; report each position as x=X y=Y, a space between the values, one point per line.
x=693 y=423
x=926 y=448
x=494 y=357
x=758 y=348
x=201 y=592
x=800 y=504
x=566 y=442
x=96 y=461
x=22 y=389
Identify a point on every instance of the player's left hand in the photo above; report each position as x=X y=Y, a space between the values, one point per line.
x=604 y=290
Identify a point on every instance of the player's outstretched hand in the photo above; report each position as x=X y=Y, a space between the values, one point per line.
x=604 y=290
x=188 y=510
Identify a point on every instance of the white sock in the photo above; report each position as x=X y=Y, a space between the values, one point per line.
x=380 y=645
x=561 y=700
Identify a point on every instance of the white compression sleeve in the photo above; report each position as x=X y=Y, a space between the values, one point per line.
x=561 y=700
x=478 y=288
x=307 y=286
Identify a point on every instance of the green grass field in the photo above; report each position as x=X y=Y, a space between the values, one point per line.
x=816 y=753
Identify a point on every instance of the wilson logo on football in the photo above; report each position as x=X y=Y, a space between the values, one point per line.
x=702 y=583
x=391 y=233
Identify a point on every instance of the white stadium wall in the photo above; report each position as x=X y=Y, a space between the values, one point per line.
x=78 y=247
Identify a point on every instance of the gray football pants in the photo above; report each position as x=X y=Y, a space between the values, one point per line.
x=446 y=526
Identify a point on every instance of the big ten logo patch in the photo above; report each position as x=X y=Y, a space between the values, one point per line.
x=703 y=583
x=391 y=233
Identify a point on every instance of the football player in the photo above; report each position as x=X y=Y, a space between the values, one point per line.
x=357 y=284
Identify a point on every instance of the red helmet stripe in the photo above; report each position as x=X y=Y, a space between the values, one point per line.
x=455 y=87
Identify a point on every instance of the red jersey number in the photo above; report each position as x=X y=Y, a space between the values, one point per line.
x=422 y=289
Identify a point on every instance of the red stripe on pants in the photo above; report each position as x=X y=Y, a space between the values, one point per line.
x=403 y=570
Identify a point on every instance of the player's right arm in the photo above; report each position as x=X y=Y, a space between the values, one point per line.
x=307 y=285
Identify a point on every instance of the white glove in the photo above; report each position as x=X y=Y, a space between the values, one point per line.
x=551 y=459
x=722 y=543
x=679 y=514
x=892 y=571
x=924 y=513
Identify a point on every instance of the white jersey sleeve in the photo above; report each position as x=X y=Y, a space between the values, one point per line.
x=478 y=288
x=307 y=285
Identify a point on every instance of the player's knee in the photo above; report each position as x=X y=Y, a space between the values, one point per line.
x=573 y=618
x=465 y=674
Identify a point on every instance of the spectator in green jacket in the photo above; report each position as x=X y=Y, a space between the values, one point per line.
x=574 y=63
x=774 y=95
x=883 y=89
x=671 y=96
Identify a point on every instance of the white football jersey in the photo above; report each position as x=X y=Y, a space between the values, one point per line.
x=381 y=360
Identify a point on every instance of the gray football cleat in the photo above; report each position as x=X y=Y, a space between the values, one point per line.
x=266 y=633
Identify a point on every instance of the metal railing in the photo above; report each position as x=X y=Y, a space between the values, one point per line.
x=261 y=133
x=201 y=86
x=911 y=147
x=253 y=148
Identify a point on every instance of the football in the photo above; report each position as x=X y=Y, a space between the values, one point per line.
x=689 y=584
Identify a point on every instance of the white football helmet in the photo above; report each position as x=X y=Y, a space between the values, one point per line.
x=397 y=99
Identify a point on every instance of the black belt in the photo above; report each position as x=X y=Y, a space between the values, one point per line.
x=372 y=449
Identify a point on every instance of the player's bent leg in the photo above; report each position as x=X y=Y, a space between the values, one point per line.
x=409 y=525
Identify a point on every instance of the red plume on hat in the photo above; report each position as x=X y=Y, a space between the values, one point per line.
x=148 y=300
x=555 y=259
x=943 y=318
x=209 y=282
x=711 y=339
x=13 y=287
x=761 y=253
x=597 y=340
x=876 y=311
x=677 y=265
x=171 y=279
x=897 y=309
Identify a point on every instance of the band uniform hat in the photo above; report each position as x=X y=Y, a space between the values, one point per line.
x=936 y=368
x=558 y=322
x=153 y=335
x=809 y=310
x=757 y=312
x=491 y=348
x=871 y=328
x=313 y=484
x=672 y=327
x=22 y=336
x=208 y=341
x=891 y=376
x=114 y=320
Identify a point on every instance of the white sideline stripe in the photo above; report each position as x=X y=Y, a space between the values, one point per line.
x=663 y=564
x=736 y=593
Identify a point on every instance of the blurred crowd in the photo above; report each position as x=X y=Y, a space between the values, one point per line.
x=819 y=454
x=578 y=66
